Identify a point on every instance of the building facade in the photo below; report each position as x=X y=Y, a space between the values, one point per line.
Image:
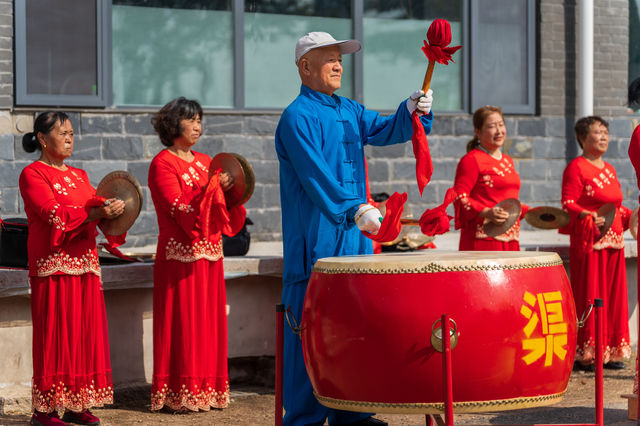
x=129 y=57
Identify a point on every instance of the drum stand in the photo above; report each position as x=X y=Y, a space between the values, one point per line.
x=447 y=372
x=432 y=419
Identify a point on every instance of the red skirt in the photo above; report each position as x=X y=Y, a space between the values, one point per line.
x=71 y=366
x=601 y=274
x=189 y=336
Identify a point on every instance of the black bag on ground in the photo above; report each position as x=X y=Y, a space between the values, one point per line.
x=238 y=245
x=13 y=242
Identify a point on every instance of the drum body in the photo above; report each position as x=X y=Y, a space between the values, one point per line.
x=367 y=324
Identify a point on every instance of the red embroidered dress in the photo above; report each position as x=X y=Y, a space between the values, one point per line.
x=189 y=297
x=71 y=367
x=483 y=181
x=597 y=266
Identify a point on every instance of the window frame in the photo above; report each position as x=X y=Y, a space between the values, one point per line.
x=103 y=96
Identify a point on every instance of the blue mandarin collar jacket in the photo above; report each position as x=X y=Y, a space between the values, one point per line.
x=319 y=141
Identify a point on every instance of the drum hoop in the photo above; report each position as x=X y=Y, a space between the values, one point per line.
x=434 y=267
x=438 y=407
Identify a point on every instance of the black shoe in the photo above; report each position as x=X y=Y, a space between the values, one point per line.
x=369 y=421
x=589 y=368
x=615 y=365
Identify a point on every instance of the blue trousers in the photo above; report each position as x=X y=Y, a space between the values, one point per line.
x=301 y=407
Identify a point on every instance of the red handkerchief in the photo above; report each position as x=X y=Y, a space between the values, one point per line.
x=436 y=221
x=424 y=166
x=390 y=227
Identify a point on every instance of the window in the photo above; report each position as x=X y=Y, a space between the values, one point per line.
x=271 y=30
x=394 y=31
x=163 y=49
x=60 y=52
x=503 y=55
x=238 y=54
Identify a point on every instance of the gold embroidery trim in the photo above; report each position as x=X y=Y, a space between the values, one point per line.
x=200 y=249
x=438 y=407
x=192 y=399
x=59 y=397
x=432 y=267
x=63 y=262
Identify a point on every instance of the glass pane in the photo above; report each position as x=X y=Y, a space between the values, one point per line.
x=61 y=47
x=634 y=45
x=501 y=62
x=271 y=30
x=394 y=64
x=166 y=49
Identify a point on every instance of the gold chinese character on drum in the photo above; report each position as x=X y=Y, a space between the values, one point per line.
x=367 y=330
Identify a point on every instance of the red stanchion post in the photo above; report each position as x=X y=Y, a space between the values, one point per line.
x=446 y=366
x=279 y=358
x=597 y=304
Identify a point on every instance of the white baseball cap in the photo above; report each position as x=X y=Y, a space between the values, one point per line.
x=317 y=39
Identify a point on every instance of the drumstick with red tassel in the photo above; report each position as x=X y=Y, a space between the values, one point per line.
x=437 y=50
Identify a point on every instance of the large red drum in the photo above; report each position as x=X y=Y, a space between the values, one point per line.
x=367 y=326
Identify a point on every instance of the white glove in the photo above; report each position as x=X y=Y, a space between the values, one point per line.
x=368 y=218
x=420 y=101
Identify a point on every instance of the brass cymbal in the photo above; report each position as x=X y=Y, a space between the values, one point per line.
x=608 y=211
x=633 y=223
x=547 y=217
x=513 y=208
x=242 y=173
x=123 y=186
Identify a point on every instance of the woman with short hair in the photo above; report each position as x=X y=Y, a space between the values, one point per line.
x=597 y=262
x=189 y=298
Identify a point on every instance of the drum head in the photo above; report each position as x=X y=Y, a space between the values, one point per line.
x=123 y=186
x=243 y=178
x=633 y=223
x=513 y=208
x=547 y=217
x=608 y=211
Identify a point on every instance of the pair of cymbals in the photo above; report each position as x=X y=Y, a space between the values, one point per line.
x=123 y=186
x=547 y=217
x=608 y=211
x=244 y=180
x=513 y=209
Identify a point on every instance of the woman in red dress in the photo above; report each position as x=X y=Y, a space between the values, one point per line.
x=597 y=262
x=189 y=298
x=71 y=367
x=484 y=177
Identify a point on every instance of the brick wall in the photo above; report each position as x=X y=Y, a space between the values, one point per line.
x=557 y=57
x=540 y=145
x=611 y=57
x=113 y=141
